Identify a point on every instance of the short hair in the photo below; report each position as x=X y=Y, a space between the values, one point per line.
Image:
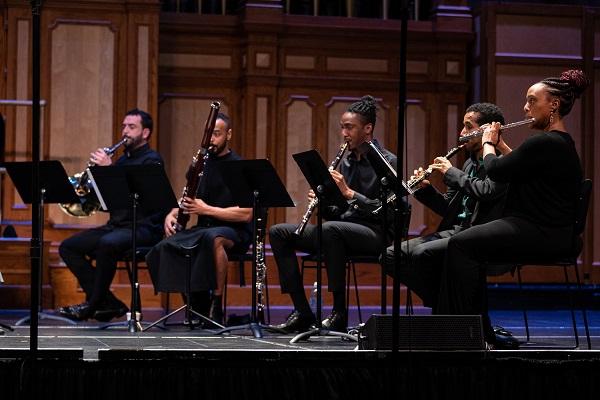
x=487 y=113
x=366 y=108
x=225 y=118
x=144 y=116
x=568 y=87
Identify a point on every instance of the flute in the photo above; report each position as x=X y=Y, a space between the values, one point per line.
x=479 y=131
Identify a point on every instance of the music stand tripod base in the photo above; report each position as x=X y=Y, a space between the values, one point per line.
x=42 y=315
x=322 y=332
x=189 y=311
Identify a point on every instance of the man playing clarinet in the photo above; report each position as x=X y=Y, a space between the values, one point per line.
x=352 y=231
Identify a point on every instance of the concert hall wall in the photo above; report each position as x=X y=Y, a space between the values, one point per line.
x=285 y=80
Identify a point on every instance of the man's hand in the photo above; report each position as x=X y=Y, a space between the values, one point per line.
x=170 y=221
x=99 y=157
x=417 y=173
x=441 y=164
x=342 y=185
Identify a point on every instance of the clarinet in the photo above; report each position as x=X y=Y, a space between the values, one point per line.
x=196 y=168
x=412 y=183
x=313 y=203
x=261 y=267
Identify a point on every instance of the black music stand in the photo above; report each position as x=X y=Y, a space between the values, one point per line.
x=133 y=186
x=4 y=327
x=254 y=183
x=388 y=181
x=54 y=188
x=328 y=195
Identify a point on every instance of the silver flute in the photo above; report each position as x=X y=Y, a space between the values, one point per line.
x=479 y=131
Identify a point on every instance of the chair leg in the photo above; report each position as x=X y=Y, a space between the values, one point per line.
x=583 y=308
x=523 y=303
x=383 y=309
x=409 y=304
x=356 y=293
x=572 y=306
x=225 y=299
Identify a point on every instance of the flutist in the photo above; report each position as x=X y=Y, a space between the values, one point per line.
x=107 y=243
x=544 y=175
x=353 y=231
x=471 y=198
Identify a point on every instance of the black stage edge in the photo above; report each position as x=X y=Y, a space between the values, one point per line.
x=303 y=375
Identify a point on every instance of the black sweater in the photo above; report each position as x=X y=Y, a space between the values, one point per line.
x=544 y=175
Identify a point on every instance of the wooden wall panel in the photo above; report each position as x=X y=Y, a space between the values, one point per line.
x=81 y=98
x=299 y=134
x=181 y=123
x=541 y=36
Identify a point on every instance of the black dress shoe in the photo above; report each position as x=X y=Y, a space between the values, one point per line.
x=107 y=312
x=337 y=321
x=77 y=312
x=297 y=322
x=504 y=340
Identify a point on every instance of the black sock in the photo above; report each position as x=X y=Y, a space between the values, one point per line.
x=300 y=303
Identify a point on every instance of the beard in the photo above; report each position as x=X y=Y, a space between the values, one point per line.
x=134 y=143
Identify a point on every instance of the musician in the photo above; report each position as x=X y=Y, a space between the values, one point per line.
x=353 y=231
x=107 y=243
x=544 y=175
x=221 y=226
x=471 y=198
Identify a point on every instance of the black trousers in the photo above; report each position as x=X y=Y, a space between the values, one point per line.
x=421 y=264
x=340 y=239
x=509 y=239
x=107 y=244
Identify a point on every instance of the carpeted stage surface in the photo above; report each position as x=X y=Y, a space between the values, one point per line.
x=85 y=362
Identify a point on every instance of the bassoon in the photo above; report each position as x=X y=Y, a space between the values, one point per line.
x=196 y=168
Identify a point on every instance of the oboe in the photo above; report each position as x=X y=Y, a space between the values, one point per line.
x=412 y=183
x=313 y=203
x=479 y=131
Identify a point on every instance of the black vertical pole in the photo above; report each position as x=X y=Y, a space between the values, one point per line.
x=36 y=224
x=399 y=216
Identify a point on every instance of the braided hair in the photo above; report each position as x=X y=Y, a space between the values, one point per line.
x=568 y=87
x=366 y=108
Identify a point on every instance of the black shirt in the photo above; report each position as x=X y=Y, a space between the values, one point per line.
x=214 y=192
x=362 y=179
x=123 y=218
x=545 y=176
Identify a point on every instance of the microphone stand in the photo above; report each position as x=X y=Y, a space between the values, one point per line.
x=398 y=216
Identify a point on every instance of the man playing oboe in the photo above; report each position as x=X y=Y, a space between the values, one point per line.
x=471 y=198
x=353 y=231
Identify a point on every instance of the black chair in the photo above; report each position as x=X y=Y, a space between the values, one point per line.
x=310 y=261
x=569 y=260
x=240 y=259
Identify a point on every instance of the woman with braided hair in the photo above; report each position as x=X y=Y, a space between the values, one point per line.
x=544 y=176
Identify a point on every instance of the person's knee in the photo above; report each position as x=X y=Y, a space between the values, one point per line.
x=221 y=243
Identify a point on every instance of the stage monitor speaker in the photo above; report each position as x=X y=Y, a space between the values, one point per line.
x=424 y=332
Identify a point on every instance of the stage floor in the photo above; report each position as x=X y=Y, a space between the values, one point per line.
x=90 y=342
